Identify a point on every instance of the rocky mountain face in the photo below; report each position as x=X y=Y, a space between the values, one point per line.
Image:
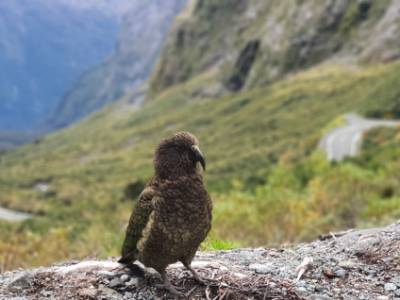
x=64 y=59
x=347 y=265
x=247 y=43
x=139 y=42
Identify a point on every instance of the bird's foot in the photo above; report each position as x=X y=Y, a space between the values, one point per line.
x=198 y=278
x=171 y=289
x=132 y=269
x=136 y=271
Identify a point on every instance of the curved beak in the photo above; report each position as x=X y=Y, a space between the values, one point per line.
x=199 y=157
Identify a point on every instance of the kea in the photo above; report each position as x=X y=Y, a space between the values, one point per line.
x=174 y=211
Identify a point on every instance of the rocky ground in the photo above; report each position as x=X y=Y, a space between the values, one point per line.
x=361 y=264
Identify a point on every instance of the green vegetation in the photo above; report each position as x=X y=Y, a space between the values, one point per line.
x=11 y=139
x=269 y=182
x=214 y=34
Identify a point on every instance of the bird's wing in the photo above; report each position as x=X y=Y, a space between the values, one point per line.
x=137 y=223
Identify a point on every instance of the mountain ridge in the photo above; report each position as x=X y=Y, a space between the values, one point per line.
x=137 y=48
x=44 y=47
x=288 y=38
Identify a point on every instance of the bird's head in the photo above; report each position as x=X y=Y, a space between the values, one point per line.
x=178 y=156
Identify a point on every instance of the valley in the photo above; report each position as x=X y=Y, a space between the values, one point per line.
x=260 y=89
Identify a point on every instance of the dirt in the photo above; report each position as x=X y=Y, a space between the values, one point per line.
x=356 y=264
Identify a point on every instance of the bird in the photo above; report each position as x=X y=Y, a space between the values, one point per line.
x=173 y=214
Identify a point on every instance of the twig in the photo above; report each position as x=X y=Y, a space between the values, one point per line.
x=224 y=294
x=191 y=291
x=304 y=266
x=208 y=293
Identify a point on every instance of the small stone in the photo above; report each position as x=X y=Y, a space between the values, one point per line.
x=128 y=295
x=108 y=294
x=46 y=293
x=396 y=281
x=21 y=281
x=328 y=272
x=106 y=274
x=88 y=293
x=320 y=297
x=311 y=287
x=341 y=273
x=115 y=283
x=366 y=244
x=262 y=268
x=390 y=287
x=133 y=281
x=319 y=289
x=124 y=278
x=382 y=298
x=302 y=291
x=348 y=264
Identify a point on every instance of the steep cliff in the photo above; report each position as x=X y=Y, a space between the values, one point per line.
x=250 y=43
x=142 y=35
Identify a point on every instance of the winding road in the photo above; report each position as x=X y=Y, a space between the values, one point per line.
x=13 y=216
x=345 y=141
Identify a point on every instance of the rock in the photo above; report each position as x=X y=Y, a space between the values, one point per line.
x=319 y=297
x=341 y=273
x=366 y=244
x=396 y=281
x=88 y=293
x=302 y=291
x=390 y=287
x=21 y=281
x=132 y=282
x=348 y=264
x=262 y=268
x=328 y=272
x=115 y=283
x=338 y=272
x=109 y=294
x=265 y=269
x=46 y=294
x=106 y=274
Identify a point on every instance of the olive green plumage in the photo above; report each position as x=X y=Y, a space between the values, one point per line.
x=173 y=214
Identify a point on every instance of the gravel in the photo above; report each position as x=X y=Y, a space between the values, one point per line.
x=362 y=264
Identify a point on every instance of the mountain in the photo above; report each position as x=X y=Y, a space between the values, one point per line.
x=259 y=113
x=45 y=45
x=139 y=41
x=64 y=59
x=260 y=41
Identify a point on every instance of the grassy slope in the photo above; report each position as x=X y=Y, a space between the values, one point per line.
x=268 y=182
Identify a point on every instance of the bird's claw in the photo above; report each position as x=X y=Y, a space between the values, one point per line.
x=172 y=290
x=205 y=280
